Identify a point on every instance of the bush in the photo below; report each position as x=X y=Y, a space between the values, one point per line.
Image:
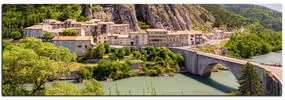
x=85 y=72
x=127 y=50
x=69 y=32
x=47 y=36
x=15 y=35
x=80 y=59
x=137 y=54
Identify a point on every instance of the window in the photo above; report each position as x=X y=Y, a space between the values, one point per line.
x=60 y=42
x=70 y=42
x=85 y=46
x=54 y=41
x=79 y=46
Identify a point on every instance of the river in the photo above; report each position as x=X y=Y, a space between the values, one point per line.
x=269 y=58
x=219 y=83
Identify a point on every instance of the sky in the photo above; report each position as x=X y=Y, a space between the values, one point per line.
x=277 y=7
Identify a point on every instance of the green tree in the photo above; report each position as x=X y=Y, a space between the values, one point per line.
x=47 y=36
x=107 y=48
x=93 y=87
x=250 y=81
x=137 y=54
x=32 y=61
x=100 y=50
x=5 y=43
x=61 y=88
x=85 y=72
x=143 y=25
x=69 y=32
x=127 y=50
x=15 y=35
x=90 y=53
x=121 y=53
x=113 y=56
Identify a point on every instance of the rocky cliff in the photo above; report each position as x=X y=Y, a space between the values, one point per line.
x=168 y=16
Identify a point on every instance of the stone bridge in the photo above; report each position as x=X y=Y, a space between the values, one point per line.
x=201 y=63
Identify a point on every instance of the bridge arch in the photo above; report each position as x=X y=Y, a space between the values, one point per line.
x=206 y=64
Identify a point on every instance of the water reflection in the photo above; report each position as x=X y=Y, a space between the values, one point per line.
x=210 y=82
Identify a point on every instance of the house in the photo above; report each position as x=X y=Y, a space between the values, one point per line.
x=138 y=38
x=173 y=39
x=77 y=44
x=36 y=31
x=157 y=37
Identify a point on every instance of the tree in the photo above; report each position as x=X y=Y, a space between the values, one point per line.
x=61 y=88
x=93 y=87
x=69 y=32
x=100 y=50
x=5 y=43
x=90 y=53
x=137 y=54
x=113 y=56
x=85 y=72
x=127 y=50
x=107 y=48
x=15 y=35
x=120 y=54
x=250 y=81
x=47 y=36
x=32 y=61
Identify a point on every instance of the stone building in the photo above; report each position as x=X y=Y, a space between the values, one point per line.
x=138 y=38
x=76 y=44
x=157 y=37
x=36 y=31
x=173 y=39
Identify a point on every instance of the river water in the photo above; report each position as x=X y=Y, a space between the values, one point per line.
x=269 y=58
x=219 y=83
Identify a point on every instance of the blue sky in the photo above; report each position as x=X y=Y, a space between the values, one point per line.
x=277 y=7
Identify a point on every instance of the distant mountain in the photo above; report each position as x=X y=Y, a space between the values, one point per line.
x=266 y=17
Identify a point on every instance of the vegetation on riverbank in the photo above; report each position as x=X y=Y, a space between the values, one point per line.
x=255 y=40
x=155 y=61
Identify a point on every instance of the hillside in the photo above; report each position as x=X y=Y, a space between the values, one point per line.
x=225 y=18
x=266 y=17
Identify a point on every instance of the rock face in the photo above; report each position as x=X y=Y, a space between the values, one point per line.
x=168 y=16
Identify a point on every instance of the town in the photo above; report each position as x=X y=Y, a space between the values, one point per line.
x=141 y=49
x=92 y=32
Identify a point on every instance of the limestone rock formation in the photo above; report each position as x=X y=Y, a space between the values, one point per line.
x=168 y=16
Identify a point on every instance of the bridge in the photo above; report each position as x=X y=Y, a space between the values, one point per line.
x=201 y=63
